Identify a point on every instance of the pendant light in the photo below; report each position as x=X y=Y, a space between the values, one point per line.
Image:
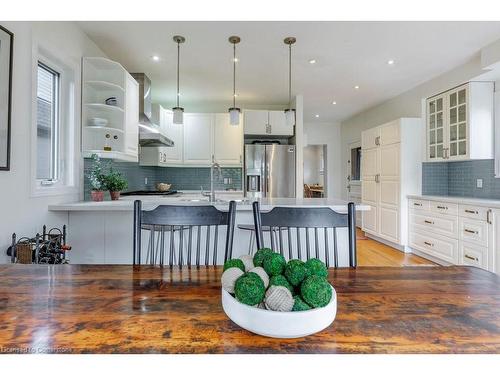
x=290 y=112
x=178 y=111
x=234 y=112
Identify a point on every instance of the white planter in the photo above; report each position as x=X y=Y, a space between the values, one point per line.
x=278 y=324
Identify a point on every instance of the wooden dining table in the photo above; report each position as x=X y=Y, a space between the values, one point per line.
x=126 y=309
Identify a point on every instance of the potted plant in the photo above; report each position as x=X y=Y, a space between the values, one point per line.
x=96 y=178
x=115 y=183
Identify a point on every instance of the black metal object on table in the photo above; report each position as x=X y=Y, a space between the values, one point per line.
x=50 y=247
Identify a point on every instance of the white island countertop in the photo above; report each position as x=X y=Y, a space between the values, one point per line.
x=243 y=204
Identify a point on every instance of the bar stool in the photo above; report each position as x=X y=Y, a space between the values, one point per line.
x=250 y=227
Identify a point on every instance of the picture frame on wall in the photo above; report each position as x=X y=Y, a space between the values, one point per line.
x=6 y=52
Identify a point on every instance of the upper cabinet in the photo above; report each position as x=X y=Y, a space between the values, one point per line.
x=198 y=138
x=259 y=122
x=460 y=123
x=228 y=141
x=110 y=110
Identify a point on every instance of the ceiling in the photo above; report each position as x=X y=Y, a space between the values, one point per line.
x=346 y=53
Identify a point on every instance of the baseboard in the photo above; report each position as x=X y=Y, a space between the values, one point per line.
x=396 y=246
x=430 y=257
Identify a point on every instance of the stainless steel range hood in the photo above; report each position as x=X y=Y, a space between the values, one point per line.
x=149 y=133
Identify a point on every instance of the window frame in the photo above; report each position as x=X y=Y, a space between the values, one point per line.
x=55 y=162
x=67 y=179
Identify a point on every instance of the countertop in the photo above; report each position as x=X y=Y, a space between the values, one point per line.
x=243 y=204
x=126 y=309
x=492 y=203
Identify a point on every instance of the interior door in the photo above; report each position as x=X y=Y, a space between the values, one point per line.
x=354 y=176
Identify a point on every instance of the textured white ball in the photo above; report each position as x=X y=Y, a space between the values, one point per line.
x=279 y=298
x=247 y=261
x=229 y=278
x=263 y=275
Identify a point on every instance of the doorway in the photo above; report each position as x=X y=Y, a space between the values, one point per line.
x=354 y=175
x=315 y=175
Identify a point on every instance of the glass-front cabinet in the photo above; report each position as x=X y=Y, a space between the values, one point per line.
x=460 y=123
x=435 y=128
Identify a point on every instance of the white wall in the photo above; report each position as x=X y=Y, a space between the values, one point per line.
x=312 y=164
x=329 y=135
x=408 y=104
x=22 y=213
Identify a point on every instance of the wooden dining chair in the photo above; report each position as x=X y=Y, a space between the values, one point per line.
x=294 y=229
x=187 y=232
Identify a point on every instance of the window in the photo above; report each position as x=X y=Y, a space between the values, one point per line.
x=47 y=124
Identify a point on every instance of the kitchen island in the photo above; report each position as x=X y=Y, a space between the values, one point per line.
x=125 y=309
x=102 y=232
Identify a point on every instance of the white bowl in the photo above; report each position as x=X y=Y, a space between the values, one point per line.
x=279 y=324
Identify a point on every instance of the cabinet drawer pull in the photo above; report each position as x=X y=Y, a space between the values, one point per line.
x=442 y=207
x=471 y=212
x=471 y=231
x=428 y=222
x=417 y=204
x=428 y=243
x=488 y=219
x=471 y=257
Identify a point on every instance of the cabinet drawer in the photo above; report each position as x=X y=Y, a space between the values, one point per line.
x=473 y=255
x=473 y=212
x=438 y=246
x=444 y=208
x=418 y=204
x=474 y=231
x=440 y=224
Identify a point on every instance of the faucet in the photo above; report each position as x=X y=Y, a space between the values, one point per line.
x=213 y=167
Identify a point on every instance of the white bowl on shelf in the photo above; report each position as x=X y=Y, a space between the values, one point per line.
x=279 y=324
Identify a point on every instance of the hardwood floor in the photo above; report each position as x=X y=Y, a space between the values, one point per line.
x=373 y=253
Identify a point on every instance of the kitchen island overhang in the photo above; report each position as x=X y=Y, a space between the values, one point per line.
x=102 y=232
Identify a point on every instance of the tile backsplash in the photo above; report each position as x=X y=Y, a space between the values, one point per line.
x=180 y=178
x=459 y=179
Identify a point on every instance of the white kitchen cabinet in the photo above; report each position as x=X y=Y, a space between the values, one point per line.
x=263 y=122
x=460 y=123
x=450 y=232
x=228 y=141
x=118 y=137
x=198 y=138
x=390 y=169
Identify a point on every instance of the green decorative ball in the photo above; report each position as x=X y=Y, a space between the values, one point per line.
x=274 y=264
x=234 y=263
x=295 y=271
x=316 y=267
x=258 y=258
x=280 y=280
x=316 y=291
x=249 y=290
x=300 y=305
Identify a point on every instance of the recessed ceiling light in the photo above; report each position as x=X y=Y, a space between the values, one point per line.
x=312 y=61
x=316 y=116
x=235 y=95
x=236 y=59
x=155 y=58
x=334 y=102
x=390 y=62
x=356 y=87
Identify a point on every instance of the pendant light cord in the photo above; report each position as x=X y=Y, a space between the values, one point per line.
x=290 y=75
x=234 y=75
x=178 y=62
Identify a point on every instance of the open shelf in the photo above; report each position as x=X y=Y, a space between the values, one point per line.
x=107 y=128
x=105 y=107
x=110 y=155
x=104 y=85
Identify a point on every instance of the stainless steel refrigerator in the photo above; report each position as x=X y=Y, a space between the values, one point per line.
x=270 y=171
